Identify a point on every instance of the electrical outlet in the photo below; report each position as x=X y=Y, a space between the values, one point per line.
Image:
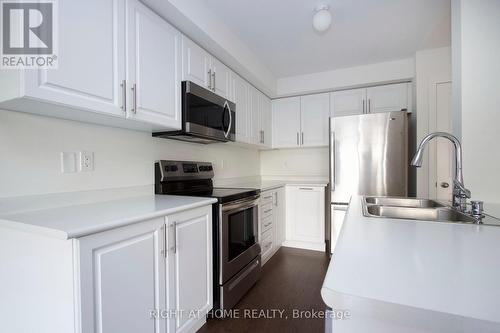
x=68 y=162
x=86 y=161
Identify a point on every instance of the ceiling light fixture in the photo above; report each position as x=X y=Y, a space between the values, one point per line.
x=322 y=18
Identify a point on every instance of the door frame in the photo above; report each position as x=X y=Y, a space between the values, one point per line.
x=432 y=127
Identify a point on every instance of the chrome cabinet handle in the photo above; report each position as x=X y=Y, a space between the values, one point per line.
x=302 y=137
x=213 y=82
x=306 y=188
x=123 y=85
x=267 y=211
x=267 y=225
x=174 y=242
x=298 y=139
x=276 y=199
x=369 y=106
x=364 y=107
x=263 y=136
x=134 y=98
x=268 y=197
x=209 y=81
x=164 y=235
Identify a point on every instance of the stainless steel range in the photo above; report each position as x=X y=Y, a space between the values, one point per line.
x=236 y=249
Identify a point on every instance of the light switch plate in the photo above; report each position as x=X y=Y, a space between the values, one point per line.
x=86 y=161
x=68 y=162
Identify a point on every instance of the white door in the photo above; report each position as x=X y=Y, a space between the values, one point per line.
x=444 y=176
x=122 y=279
x=286 y=122
x=190 y=265
x=153 y=68
x=195 y=63
x=387 y=98
x=266 y=120
x=241 y=99
x=221 y=79
x=314 y=120
x=347 y=102
x=254 y=109
x=91 y=58
x=306 y=217
x=337 y=220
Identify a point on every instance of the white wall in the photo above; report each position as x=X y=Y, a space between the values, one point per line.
x=30 y=148
x=479 y=94
x=431 y=66
x=384 y=72
x=295 y=163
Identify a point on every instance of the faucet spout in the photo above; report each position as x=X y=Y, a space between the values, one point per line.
x=460 y=193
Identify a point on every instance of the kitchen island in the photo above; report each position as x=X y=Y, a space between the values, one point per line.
x=393 y=275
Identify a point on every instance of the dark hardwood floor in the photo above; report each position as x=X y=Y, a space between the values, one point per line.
x=291 y=280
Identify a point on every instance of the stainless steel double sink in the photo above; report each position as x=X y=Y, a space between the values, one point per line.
x=413 y=209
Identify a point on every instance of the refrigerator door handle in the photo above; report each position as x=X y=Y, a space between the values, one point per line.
x=332 y=160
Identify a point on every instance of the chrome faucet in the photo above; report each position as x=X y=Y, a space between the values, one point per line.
x=460 y=193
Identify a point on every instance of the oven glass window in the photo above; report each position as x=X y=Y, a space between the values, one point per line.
x=241 y=232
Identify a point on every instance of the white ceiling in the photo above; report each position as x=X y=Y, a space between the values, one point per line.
x=363 y=32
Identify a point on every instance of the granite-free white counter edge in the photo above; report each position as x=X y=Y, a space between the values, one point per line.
x=450 y=268
x=80 y=220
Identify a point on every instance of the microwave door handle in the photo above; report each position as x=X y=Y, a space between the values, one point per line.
x=226 y=107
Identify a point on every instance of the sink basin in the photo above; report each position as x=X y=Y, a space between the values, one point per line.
x=402 y=202
x=442 y=214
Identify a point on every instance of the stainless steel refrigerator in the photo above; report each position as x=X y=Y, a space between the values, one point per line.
x=368 y=156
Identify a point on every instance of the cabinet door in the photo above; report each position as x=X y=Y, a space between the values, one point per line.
x=91 y=58
x=314 y=115
x=347 y=102
x=221 y=80
x=241 y=98
x=286 y=122
x=122 y=278
x=190 y=266
x=391 y=97
x=195 y=63
x=254 y=110
x=279 y=215
x=306 y=217
x=153 y=68
x=337 y=220
x=266 y=120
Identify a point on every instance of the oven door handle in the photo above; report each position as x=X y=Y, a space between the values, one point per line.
x=240 y=205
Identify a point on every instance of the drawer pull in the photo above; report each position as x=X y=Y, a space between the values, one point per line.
x=267 y=211
x=306 y=188
x=268 y=197
x=267 y=225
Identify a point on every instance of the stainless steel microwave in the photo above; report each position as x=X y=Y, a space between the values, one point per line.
x=206 y=117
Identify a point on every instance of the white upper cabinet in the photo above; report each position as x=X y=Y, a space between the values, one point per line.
x=206 y=71
x=153 y=68
x=195 y=64
x=314 y=115
x=241 y=99
x=347 y=102
x=286 y=122
x=265 y=119
x=91 y=59
x=221 y=79
x=126 y=64
x=254 y=105
x=391 y=97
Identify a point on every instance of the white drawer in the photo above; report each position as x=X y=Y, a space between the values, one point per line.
x=266 y=243
x=266 y=223
x=266 y=197
x=266 y=210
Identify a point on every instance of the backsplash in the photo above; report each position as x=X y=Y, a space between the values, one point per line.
x=30 y=148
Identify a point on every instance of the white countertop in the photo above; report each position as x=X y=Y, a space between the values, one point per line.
x=72 y=221
x=447 y=268
x=269 y=184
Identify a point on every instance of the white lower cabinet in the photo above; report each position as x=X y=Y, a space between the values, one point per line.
x=271 y=222
x=189 y=266
x=153 y=276
x=305 y=217
x=122 y=279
